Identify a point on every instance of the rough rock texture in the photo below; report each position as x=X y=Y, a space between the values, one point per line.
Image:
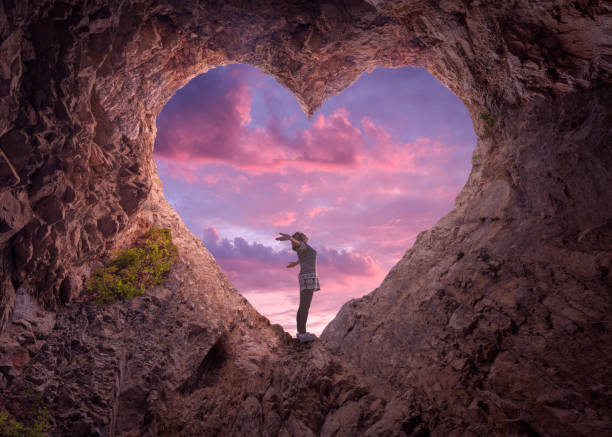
x=498 y=320
x=503 y=309
x=501 y=313
x=190 y=358
x=82 y=85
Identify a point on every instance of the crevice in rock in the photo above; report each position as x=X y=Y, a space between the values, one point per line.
x=207 y=372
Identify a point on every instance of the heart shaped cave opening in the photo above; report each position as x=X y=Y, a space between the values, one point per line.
x=377 y=164
x=494 y=320
x=78 y=159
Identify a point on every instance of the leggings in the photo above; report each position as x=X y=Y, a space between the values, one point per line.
x=302 y=314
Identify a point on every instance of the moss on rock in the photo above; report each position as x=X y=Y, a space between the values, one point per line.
x=134 y=270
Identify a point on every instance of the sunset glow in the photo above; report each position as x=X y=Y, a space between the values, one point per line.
x=376 y=165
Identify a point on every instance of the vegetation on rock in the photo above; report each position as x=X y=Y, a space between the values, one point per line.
x=133 y=270
x=41 y=422
x=9 y=427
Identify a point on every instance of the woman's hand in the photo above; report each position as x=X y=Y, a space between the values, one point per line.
x=292 y=264
x=283 y=237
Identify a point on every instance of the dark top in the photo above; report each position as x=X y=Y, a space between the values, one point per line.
x=308 y=258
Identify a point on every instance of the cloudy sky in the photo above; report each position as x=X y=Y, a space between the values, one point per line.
x=379 y=163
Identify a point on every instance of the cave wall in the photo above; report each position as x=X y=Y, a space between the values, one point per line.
x=498 y=319
x=503 y=308
x=84 y=82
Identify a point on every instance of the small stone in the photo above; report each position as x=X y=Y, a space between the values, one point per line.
x=50 y=209
x=20 y=357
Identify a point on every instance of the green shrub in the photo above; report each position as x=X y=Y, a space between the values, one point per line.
x=9 y=427
x=133 y=270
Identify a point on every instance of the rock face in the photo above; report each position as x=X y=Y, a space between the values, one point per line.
x=82 y=85
x=190 y=358
x=500 y=314
x=498 y=320
x=502 y=310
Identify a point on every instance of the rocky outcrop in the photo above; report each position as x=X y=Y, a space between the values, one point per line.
x=83 y=83
x=496 y=321
x=191 y=357
x=495 y=54
x=501 y=312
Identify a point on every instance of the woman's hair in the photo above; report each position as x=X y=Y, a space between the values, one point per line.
x=298 y=236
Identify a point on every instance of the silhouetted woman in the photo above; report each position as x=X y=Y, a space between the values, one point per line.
x=308 y=279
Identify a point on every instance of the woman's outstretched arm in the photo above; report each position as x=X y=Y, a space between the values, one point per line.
x=285 y=237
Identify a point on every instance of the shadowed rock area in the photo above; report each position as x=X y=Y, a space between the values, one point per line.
x=496 y=322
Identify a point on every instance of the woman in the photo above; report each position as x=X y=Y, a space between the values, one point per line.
x=308 y=279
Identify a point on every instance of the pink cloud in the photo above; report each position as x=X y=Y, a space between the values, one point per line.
x=348 y=261
x=345 y=262
x=331 y=143
x=182 y=170
x=211 y=178
x=284 y=218
x=240 y=96
x=258 y=271
x=312 y=212
x=376 y=133
x=221 y=132
x=256 y=260
x=359 y=191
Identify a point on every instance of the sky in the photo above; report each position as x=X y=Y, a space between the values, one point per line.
x=377 y=164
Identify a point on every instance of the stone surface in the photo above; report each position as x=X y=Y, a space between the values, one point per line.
x=191 y=357
x=501 y=312
x=496 y=322
x=82 y=84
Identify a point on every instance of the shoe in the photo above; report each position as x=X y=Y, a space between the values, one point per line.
x=305 y=337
